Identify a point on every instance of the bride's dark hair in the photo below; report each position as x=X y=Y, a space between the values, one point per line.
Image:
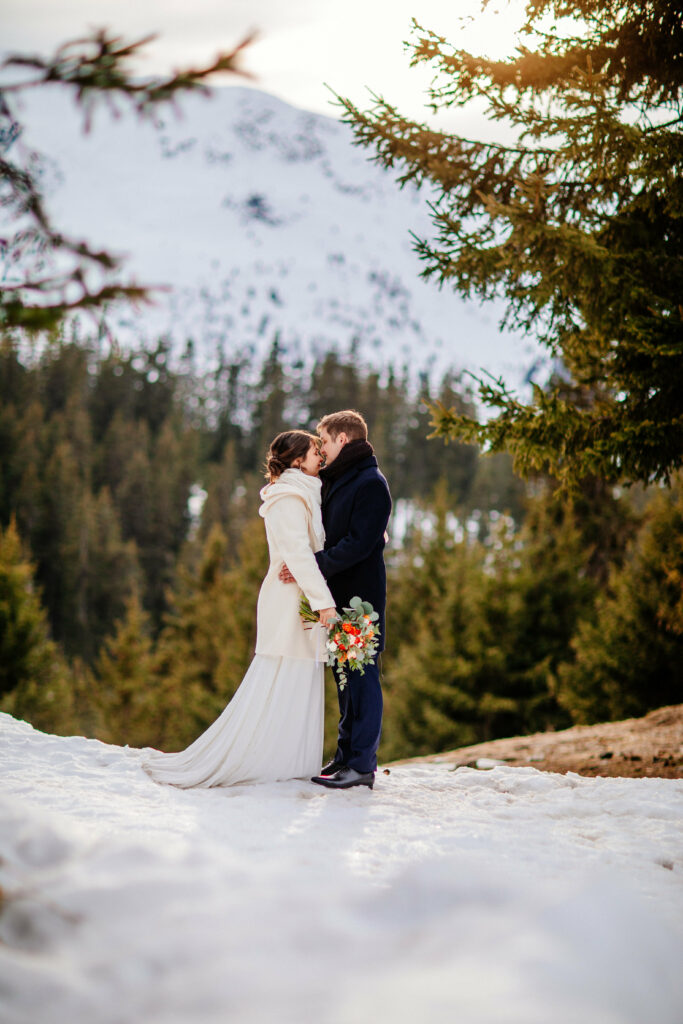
x=285 y=449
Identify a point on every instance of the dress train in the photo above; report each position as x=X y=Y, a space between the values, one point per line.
x=271 y=730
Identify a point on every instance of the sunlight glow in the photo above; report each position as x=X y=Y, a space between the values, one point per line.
x=302 y=47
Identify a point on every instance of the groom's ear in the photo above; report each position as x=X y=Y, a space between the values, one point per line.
x=343 y=438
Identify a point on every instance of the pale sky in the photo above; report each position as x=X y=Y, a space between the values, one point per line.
x=351 y=45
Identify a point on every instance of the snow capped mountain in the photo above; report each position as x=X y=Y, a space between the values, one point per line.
x=260 y=218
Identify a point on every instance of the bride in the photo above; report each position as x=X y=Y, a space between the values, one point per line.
x=272 y=729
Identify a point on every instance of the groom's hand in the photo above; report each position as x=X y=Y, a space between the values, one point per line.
x=285 y=575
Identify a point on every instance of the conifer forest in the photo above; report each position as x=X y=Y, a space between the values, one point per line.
x=535 y=555
x=132 y=553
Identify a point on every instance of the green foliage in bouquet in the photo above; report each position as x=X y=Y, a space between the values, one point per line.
x=353 y=636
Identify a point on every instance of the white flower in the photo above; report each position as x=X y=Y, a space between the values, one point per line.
x=331 y=646
x=354 y=654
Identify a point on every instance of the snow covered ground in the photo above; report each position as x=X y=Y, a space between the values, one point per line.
x=507 y=896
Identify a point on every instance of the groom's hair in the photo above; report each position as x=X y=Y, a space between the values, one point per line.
x=348 y=422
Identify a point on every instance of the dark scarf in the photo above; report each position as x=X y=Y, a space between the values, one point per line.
x=351 y=453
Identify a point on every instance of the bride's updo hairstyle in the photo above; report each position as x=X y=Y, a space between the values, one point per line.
x=285 y=450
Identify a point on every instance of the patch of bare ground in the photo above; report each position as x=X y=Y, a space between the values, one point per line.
x=648 y=747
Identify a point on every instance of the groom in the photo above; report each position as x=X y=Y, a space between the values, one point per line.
x=355 y=506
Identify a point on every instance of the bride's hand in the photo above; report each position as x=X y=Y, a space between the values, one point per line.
x=327 y=615
x=285 y=575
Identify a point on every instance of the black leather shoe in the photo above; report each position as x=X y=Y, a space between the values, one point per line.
x=331 y=767
x=345 y=778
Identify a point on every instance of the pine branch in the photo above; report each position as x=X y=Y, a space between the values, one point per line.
x=577 y=225
x=96 y=68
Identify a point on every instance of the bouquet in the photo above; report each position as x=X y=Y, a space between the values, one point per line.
x=353 y=636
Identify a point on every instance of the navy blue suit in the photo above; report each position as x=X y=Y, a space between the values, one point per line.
x=355 y=515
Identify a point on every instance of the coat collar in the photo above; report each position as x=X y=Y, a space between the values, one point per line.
x=368 y=463
x=294 y=482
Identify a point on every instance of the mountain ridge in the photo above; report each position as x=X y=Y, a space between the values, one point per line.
x=261 y=219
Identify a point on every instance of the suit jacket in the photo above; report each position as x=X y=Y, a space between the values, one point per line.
x=355 y=515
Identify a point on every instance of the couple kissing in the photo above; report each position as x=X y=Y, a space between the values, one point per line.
x=326 y=507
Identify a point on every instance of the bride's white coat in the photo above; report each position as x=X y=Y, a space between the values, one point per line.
x=294 y=528
x=272 y=729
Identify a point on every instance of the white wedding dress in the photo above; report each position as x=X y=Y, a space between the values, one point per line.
x=272 y=729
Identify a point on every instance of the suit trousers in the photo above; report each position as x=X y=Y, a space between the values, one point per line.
x=360 y=722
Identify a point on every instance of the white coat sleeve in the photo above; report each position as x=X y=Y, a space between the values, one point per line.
x=287 y=524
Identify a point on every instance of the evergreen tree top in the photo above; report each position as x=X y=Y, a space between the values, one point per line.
x=577 y=226
x=634 y=45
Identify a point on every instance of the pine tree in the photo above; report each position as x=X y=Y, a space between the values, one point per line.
x=15 y=398
x=173 y=468
x=127 y=689
x=147 y=454
x=225 y=398
x=392 y=409
x=221 y=483
x=268 y=417
x=577 y=225
x=495 y=486
x=434 y=634
x=26 y=649
x=86 y=568
x=456 y=462
x=109 y=572
x=629 y=654
x=335 y=384
x=35 y=683
x=539 y=581
x=480 y=629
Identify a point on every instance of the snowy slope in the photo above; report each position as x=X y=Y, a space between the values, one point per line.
x=260 y=218
x=500 y=897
